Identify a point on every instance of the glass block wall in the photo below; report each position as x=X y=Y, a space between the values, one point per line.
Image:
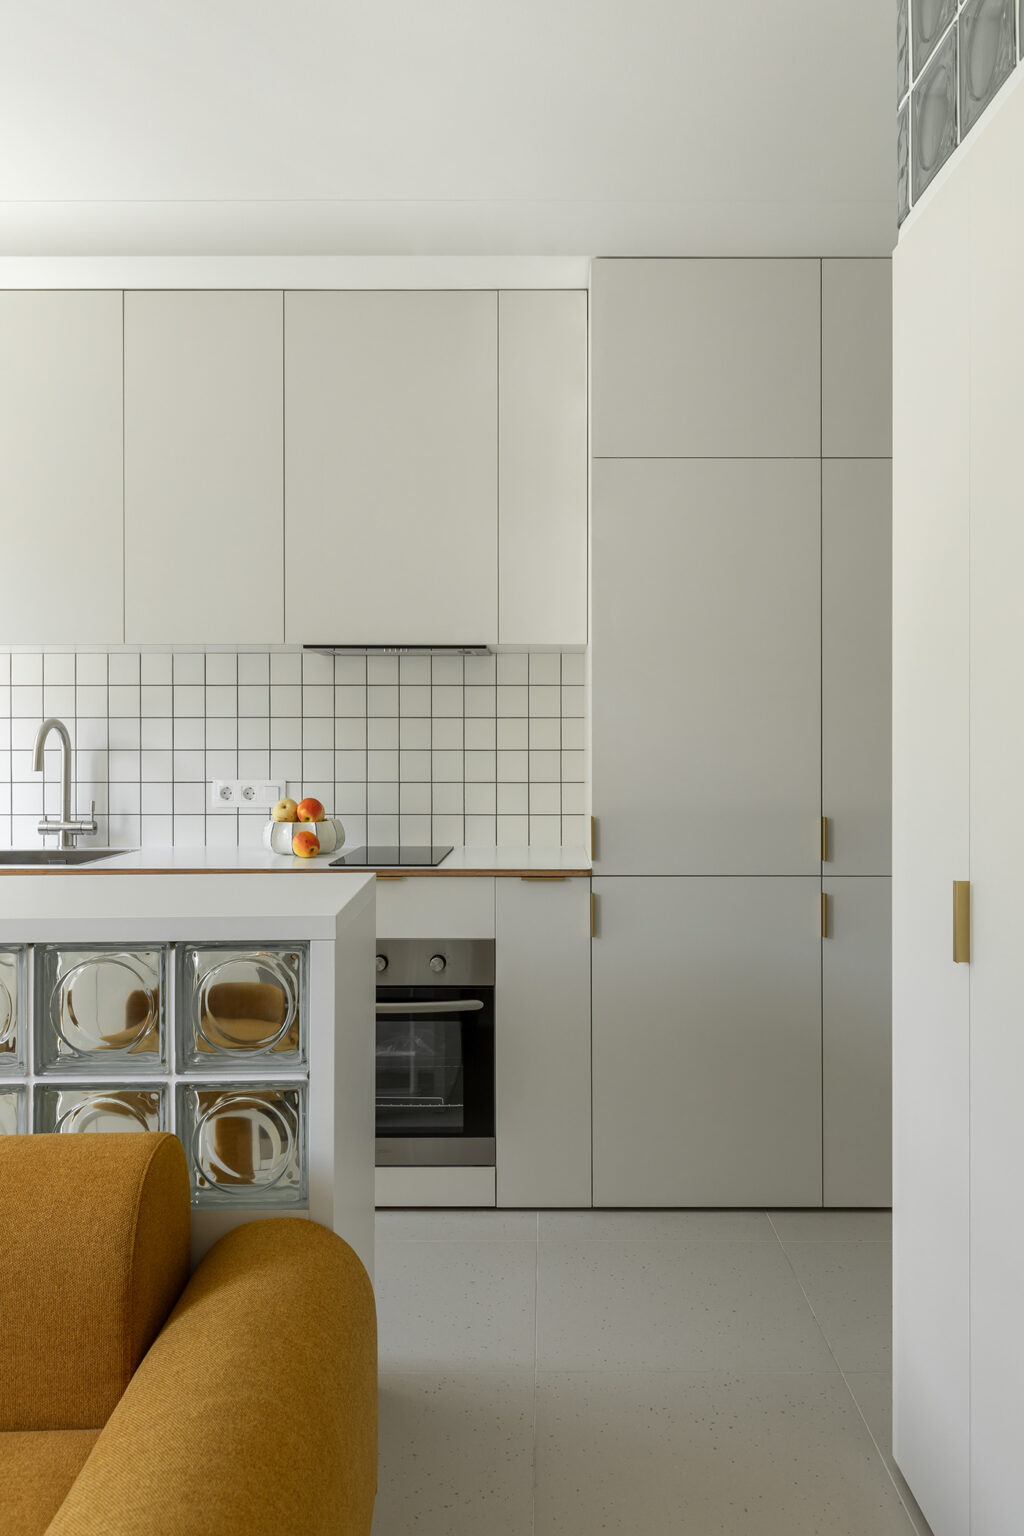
x=952 y=57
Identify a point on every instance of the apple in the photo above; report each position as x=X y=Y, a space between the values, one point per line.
x=285 y=810
x=310 y=810
x=305 y=845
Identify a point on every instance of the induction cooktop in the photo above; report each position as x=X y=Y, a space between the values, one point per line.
x=385 y=855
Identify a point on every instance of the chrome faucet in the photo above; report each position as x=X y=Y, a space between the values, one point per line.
x=66 y=829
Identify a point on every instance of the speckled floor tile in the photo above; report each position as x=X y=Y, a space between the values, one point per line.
x=681 y=1306
x=457 y=1226
x=456 y=1454
x=872 y=1392
x=656 y=1226
x=849 y=1287
x=446 y=1306
x=832 y=1226
x=707 y=1454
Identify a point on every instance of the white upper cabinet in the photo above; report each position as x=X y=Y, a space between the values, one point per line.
x=707 y=667
x=856 y=353
x=701 y=358
x=391 y=467
x=203 y=468
x=856 y=664
x=542 y=468
x=61 y=502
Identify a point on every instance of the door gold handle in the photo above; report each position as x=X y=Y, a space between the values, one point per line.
x=824 y=839
x=824 y=915
x=962 y=922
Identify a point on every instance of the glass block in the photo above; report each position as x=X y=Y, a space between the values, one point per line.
x=112 y=1107
x=242 y=1004
x=987 y=55
x=903 y=162
x=12 y=1111
x=902 y=50
x=931 y=18
x=100 y=1005
x=246 y=1144
x=934 y=108
x=12 y=1009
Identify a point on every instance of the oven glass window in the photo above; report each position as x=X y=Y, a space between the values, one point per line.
x=420 y=1076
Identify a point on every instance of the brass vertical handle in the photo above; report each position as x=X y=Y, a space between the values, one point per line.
x=824 y=839
x=824 y=915
x=593 y=838
x=962 y=922
x=593 y=915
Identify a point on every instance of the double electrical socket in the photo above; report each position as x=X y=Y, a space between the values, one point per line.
x=246 y=794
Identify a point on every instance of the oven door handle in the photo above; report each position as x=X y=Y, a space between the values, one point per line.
x=459 y=1005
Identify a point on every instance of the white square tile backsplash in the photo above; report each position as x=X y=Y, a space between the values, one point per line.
x=481 y=749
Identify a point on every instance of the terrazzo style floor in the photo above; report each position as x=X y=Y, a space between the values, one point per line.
x=680 y=1373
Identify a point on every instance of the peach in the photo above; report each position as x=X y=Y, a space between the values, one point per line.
x=305 y=845
x=285 y=810
x=310 y=810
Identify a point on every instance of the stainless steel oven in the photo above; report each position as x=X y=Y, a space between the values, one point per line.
x=435 y=1052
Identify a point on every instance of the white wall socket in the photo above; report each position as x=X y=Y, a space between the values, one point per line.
x=246 y=794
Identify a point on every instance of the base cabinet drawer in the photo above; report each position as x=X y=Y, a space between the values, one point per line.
x=442 y=1187
x=435 y=907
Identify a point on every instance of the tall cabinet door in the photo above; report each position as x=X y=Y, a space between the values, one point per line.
x=204 y=510
x=706 y=666
x=931 y=845
x=60 y=468
x=997 y=831
x=856 y=664
x=391 y=468
x=707 y=1042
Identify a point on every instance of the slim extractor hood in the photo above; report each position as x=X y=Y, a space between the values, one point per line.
x=400 y=650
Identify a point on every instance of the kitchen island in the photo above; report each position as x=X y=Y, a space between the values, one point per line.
x=236 y=1012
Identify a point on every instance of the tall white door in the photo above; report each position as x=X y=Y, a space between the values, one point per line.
x=997 y=828
x=391 y=467
x=931 y=847
x=61 y=479
x=707 y=666
x=203 y=452
x=707 y=1042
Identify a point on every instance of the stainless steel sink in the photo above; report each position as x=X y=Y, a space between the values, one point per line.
x=57 y=855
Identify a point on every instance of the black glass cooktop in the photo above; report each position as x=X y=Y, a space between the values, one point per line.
x=379 y=856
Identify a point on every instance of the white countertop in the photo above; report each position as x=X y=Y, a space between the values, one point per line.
x=197 y=861
x=60 y=904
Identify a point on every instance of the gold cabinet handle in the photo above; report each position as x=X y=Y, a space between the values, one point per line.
x=593 y=915
x=390 y=877
x=824 y=839
x=824 y=915
x=544 y=877
x=962 y=922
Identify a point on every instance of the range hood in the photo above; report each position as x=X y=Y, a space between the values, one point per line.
x=400 y=650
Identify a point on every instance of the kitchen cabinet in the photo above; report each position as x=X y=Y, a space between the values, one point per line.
x=203 y=468
x=435 y=907
x=707 y=666
x=932 y=848
x=856 y=358
x=391 y=467
x=542 y=468
x=60 y=468
x=856 y=1076
x=706 y=358
x=542 y=1042
x=707 y=1042
x=856 y=664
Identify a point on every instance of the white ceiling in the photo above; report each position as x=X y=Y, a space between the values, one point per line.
x=476 y=127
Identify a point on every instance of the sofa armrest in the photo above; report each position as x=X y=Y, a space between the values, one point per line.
x=255 y=1411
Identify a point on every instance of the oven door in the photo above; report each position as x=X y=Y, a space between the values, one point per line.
x=435 y=1076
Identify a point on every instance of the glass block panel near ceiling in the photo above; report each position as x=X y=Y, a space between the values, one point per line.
x=902 y=49
x=241 y=1005
x=930 y=20
x=12 y=1111
x=12 y=1009
x=934 y=127
x=903 y=162
x=100 y=1010
x=987 y=55
x=246 y=1143
x=114 y=1107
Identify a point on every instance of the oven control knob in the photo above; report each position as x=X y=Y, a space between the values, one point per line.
x=382 y=962
x=437 y=962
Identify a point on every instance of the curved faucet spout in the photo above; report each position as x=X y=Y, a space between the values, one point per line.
x=48 y=725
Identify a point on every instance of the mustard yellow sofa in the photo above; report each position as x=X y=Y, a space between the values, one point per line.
x=136 y=1401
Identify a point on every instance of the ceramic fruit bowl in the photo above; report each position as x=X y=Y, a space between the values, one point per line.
x=277 y=835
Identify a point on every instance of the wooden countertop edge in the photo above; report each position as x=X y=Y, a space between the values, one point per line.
x=386 y=874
